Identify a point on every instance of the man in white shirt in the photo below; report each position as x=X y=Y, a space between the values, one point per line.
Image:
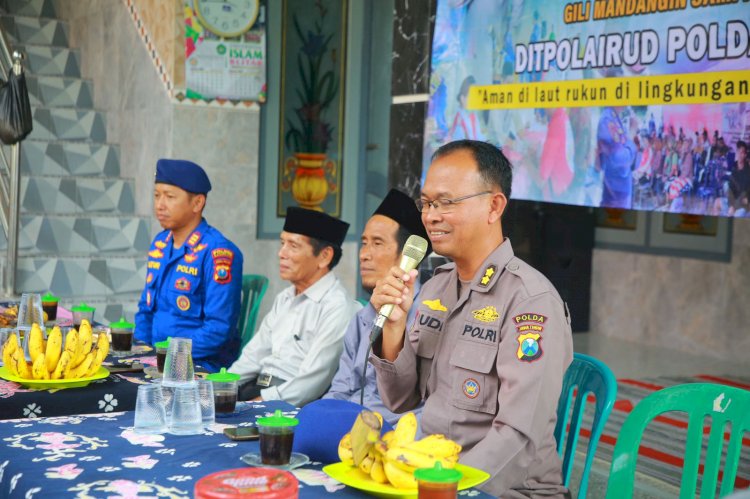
x=294 y=354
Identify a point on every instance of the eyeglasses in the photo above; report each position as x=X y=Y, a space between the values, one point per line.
x=445 y=205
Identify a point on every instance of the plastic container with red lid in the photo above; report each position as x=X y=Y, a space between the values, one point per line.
x=265 y=483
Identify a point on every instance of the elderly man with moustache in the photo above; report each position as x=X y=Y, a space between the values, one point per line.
x=294 y=354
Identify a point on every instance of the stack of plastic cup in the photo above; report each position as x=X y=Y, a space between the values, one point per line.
x=206 y=396
x=150 y=414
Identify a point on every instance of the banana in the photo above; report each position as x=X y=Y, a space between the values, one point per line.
x=84 y=344
x=82 y=368
x=377 y=473
x=10 y=346
x=399 y=478
x=408 y=459
x=21 y=367
x=54 y=348
x=380 y=448
x=436 y=444
x=406 y=429
x=345 y=450
x=388 y=437
x=366 y=465
x=71 y=343
x=62 y=364
x=39 y=367
x=100 y=352
x=365 y=432
x=36 y=342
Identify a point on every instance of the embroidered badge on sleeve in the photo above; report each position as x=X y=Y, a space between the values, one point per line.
x=529 y=347
x=222 y=265
x=435 y=305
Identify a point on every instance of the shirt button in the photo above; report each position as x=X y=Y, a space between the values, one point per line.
x=513 y=266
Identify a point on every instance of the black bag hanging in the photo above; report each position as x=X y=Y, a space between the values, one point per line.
x=16 y=121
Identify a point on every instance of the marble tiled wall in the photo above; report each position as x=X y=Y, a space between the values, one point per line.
x=165 y=22
x=126 y=86
x=690 y=305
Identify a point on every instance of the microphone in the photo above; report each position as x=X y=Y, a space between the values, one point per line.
x=413 y=253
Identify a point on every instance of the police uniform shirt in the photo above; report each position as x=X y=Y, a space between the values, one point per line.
x=195 y=292
x=489 y=365
x=300 y=341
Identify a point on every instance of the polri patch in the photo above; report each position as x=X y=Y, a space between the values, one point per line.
x=183 y=284
x=183 y=303
x=222 y=265
x=487 y=277
x=435 y=305
x=538 y=318
x=471 y=388
x=486 y=314
x=529 y=347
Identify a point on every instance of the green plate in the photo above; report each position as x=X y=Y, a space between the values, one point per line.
x=353 y=477
x=53 y=384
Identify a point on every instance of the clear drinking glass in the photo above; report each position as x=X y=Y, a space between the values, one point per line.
x=150 y=414
x=206 y=394
x=178 y=366
x=186 y=411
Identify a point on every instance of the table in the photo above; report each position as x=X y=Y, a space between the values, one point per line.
x=99 y=456
x=114 y=393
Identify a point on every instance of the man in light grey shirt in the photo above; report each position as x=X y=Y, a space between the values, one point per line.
x=294 y=354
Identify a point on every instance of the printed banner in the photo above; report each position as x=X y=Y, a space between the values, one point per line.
x=636 y=104
x=218 y=67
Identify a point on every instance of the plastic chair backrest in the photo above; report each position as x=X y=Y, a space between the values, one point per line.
x=722 y=403
x=253 y=288
x=585 y=375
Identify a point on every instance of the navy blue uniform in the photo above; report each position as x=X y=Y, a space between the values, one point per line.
x=194 y=292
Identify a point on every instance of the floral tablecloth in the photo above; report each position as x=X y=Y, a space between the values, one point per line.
x=99 y=456
x=113 y=393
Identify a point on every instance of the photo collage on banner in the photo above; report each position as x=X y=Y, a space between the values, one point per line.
x=633 y=104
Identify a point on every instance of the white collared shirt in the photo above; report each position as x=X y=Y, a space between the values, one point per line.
x=300 y=340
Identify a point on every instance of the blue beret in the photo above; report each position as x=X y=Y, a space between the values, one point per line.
x=184 y=174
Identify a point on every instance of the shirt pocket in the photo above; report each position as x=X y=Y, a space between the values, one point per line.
x=185 y=304
x=426 y=348
x=474 y=385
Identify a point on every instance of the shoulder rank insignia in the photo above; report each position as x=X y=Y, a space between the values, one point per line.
x=529 y=347
x=487 y=277
x=156 y=253
x=160 y=244
x=486 y=314
x=435 y=305
x=194 y=238
x=182 y=284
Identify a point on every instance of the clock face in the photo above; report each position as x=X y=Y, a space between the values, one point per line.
x=227 y=18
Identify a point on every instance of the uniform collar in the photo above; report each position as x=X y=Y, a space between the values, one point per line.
x=318 y=290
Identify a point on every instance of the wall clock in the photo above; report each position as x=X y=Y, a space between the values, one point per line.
x=227 y=18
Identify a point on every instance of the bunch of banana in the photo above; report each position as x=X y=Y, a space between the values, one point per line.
x=50 y=359
x=396 y=455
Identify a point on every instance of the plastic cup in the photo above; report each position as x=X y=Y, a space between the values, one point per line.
x=80 y=312
x=49 y=306
x=225 y=390
x=161 y=353
x=122 y=336
x=437 y=482
x=186 y=411
x=150 y=414
x=178 y=365
x=276 y=438
x=206 y=395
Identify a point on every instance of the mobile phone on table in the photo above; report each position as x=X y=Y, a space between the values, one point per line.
x=242 y=432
